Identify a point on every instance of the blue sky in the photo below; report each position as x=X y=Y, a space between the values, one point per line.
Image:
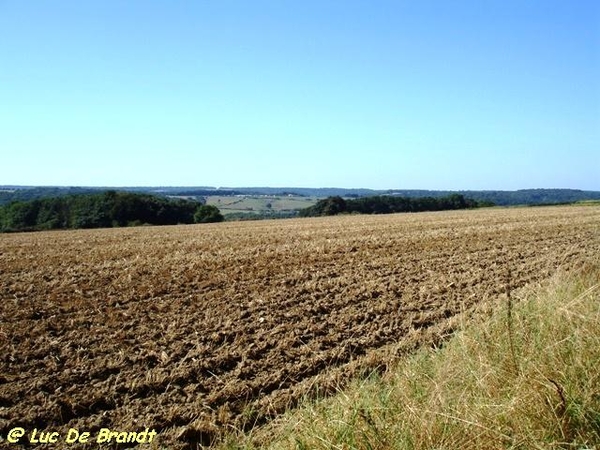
x=400 y=94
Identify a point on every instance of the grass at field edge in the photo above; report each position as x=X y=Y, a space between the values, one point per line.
x=523 y=375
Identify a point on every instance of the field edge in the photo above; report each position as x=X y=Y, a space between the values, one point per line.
x=519 y=376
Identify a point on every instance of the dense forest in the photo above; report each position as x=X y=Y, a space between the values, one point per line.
x=388 y=204
x=107 y=209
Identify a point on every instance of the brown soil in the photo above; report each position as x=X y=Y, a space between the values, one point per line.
x=192 y=330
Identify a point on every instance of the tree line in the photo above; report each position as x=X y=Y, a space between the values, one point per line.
x=383 y=204
x=104 y=210
x=9 y=194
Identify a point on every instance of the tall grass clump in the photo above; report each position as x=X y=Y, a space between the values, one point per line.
x=529 y=383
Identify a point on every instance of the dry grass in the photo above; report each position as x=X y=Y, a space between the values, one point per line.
x=474 y=392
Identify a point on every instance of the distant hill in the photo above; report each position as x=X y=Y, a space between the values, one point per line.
x=510 y=198
x=502 y=198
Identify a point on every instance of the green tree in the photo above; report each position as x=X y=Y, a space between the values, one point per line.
x=21 y=216
x=207 y=214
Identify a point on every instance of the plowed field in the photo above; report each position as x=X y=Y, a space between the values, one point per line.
x=191 y=330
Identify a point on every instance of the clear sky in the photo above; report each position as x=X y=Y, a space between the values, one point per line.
x=381 y=94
